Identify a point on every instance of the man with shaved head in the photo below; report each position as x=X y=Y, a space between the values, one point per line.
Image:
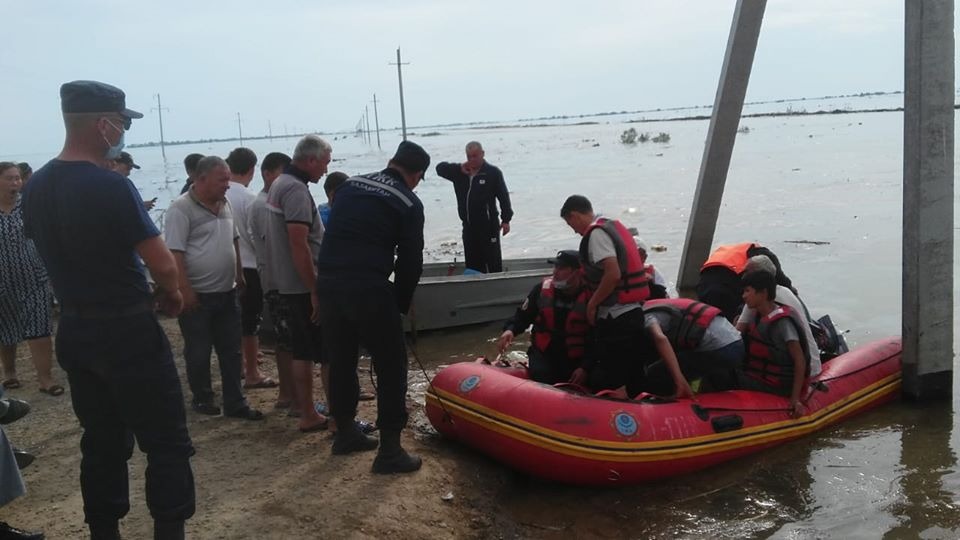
x=479 y=186
x=92 y=231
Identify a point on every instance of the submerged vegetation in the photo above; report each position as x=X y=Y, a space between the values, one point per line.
x=631 y=136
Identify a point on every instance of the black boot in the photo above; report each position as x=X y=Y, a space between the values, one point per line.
x=392 y=458
x=24 y=459
x=350 y=439
x=13 y=533
x=105 y=531
x=168 y=530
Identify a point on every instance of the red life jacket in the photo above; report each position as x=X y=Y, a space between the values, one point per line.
x=574 y=331
x=732 y=256
x=634 y=286
x=689 y=320
x=766 y=362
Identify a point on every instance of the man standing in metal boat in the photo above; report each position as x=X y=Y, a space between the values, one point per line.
x=479 y=185
x=376 y=229
x=92 y=231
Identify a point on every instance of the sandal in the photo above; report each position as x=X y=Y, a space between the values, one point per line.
x=11 y=383
x=52 y=390
x=265 y=382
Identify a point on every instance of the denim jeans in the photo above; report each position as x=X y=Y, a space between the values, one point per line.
x=124 y=386
x=214 y=324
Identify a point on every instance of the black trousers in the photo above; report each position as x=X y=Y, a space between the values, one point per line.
x=616 y=353
x=364 y=312
x=124 y=387
x=481 y=247
x=548 y=368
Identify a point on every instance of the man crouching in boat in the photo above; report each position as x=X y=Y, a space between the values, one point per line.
x=776 y=361
x=557 y=308
x=693 y=341
x=618 y=287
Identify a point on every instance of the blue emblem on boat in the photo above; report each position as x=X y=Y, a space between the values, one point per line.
x=625 y=424
x=469 y=383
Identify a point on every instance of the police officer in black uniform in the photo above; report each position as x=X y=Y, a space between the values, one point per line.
x=92 y=232
x=375 y=229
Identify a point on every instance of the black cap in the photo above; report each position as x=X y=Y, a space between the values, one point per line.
x=94 y=97
x=127 y=160
x=568 y=257
x=412 y=157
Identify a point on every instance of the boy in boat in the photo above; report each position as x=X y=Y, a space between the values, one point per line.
x=776 y=361
x=693 y=340
x=557 y=309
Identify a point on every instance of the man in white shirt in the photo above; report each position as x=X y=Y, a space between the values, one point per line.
x=242 y=163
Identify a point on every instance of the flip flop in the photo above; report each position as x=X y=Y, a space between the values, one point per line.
x=265 y=382
x=52 y=390
x=12 y=383
x=320 y=426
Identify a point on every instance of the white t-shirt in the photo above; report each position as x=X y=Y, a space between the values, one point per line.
x=599 y=247
x=786 y=297
x=240 y=200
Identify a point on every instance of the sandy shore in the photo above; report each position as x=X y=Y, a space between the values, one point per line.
x=265 y=479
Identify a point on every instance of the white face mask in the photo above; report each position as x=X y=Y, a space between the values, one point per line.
x=113 y=152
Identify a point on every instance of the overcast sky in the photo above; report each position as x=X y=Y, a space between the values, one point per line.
x=315 y=64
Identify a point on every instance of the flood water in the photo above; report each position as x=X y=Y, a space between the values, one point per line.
x=890 y=473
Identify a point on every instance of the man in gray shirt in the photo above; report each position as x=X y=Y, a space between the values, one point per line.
x=200 y=231
x=293 y=233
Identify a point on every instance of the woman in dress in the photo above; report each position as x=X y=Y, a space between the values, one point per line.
x=24 y=292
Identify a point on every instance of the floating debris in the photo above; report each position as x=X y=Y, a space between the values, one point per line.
x=810 y=242
x=659 y=248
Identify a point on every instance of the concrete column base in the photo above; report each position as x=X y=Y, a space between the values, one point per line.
x=934 y=386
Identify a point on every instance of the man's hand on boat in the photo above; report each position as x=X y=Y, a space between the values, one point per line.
x=796 y=408
x=579 y=377
x=683 y=390
x=506 y=338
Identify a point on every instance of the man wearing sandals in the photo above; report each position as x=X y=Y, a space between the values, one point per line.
x=200 y=231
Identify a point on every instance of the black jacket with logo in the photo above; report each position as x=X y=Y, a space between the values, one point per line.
x=477 y=196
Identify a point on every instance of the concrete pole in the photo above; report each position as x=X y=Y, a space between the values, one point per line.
x=727 y=106
x=928 y=199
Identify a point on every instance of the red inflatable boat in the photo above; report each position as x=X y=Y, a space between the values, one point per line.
x=580 y=439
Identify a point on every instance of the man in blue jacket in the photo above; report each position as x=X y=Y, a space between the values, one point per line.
x=376 y=229
x=479 y=185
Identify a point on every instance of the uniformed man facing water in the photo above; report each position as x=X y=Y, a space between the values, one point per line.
x=90 y=226
x=376 y=216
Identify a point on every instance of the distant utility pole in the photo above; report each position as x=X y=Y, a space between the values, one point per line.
x=160 y=109
x=403 y=114
x=366 y=119
x=240 y=129
x=269 y=130
x=376 y=119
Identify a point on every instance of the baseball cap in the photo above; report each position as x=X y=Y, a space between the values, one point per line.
x=127 y=160
x=566 y=257
x=95 y=97
x=412 y=157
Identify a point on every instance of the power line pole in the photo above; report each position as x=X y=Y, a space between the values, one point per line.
x=376 y=119
x=270 y=130
x=366 y=119
x=160 y=109
x=240 y=129
x=403 y=114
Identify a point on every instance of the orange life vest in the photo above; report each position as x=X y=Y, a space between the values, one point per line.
x=732 y=256
x=766 y=362
x=634 y=286
x=689 y=320
x=574 y=331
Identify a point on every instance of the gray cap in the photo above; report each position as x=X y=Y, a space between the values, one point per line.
x=95 y=97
